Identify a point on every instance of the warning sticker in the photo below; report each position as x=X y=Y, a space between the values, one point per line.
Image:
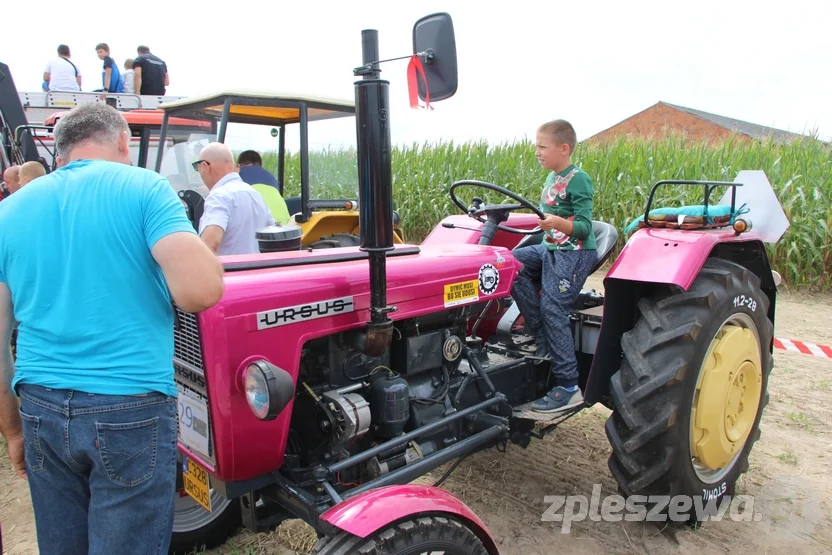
x=461 y=293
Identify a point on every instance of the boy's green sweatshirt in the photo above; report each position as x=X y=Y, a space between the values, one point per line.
x=568 y=194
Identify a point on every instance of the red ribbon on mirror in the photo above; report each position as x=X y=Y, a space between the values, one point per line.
x=413 y=66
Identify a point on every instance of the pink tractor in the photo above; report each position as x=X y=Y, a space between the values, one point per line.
x=325 y=381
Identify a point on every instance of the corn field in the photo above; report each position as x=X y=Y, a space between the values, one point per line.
x=623 y=173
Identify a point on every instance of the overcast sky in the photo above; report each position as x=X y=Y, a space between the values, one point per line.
x=520 y=63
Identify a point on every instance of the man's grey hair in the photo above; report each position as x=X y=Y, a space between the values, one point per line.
x=96 y=122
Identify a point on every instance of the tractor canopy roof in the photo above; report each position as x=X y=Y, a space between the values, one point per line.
x=260 y=107
x=320 y=130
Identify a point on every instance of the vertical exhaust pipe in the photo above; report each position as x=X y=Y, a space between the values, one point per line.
x=375 y=190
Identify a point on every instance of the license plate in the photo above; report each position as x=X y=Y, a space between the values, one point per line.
x=196 y=482
x=193 y=421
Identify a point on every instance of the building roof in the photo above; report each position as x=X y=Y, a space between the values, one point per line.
x=753 y=130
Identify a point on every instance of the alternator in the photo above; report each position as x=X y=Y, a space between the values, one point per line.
x=352 y=414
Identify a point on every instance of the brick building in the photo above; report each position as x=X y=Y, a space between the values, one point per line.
x=661 y=118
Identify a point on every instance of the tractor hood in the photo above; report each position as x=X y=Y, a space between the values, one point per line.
x=271 y=313
x=418 y=280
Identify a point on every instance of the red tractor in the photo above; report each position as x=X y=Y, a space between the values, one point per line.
x=325 y=381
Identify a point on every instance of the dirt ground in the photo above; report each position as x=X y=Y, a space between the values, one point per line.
x=790 y=476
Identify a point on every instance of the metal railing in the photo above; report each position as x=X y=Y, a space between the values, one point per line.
x=70 y=99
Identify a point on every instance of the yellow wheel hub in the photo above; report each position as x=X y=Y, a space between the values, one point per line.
x=727 y=397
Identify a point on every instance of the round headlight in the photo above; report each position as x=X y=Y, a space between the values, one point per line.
x=257 y=391
x=268 y=389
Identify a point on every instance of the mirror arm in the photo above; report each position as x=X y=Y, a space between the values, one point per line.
x=426 y=56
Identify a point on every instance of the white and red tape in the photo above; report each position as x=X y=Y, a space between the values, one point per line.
x=804 y=347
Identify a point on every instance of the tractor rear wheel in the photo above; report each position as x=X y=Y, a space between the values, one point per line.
x=691 y=389
x=433 y=534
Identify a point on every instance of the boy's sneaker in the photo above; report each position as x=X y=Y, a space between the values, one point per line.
x=559 y=399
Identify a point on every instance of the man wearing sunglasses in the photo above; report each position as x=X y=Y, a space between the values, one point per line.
x=233 y=210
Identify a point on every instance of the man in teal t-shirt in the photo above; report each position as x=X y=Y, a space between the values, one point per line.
x=555 y=270
x=91 y=258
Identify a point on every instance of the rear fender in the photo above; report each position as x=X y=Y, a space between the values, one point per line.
x=371 y=511
x=655 y=258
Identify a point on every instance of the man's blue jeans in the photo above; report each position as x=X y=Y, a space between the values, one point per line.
x=102 y=470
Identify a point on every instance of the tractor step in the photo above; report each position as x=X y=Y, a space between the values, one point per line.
x=525 y=412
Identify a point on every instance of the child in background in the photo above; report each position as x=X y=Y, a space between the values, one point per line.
x=110 y=75
x=129 y=74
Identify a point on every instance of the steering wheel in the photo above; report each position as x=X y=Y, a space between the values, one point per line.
x=495 y=212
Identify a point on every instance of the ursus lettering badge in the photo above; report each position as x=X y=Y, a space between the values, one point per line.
x=489 y=279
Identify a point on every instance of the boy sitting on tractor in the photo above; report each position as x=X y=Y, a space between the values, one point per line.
x=555 y=270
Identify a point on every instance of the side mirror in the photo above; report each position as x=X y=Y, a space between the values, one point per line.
x=433 y=35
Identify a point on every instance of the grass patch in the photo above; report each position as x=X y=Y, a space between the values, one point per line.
x=801 y=420
x=292 y=536
x=788 y=458
x=822 y=385
x=784 y=370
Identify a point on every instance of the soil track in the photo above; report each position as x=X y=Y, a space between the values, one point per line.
x=790 y=476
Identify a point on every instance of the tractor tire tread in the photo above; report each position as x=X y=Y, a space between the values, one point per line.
x=647 y=391
x=398 y=536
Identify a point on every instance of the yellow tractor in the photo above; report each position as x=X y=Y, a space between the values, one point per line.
x=327 y=179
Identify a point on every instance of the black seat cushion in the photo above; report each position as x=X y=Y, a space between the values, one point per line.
x=606 y=237
x=293 y=205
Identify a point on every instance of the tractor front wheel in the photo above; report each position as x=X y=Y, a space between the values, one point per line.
x=691 y=389
x=195 y=528
x=434 y=534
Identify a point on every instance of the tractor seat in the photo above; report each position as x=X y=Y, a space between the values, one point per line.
x=293 y=205
x=606 y=236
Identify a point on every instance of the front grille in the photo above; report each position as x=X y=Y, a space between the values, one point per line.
x=188 y=365
x=186 y=345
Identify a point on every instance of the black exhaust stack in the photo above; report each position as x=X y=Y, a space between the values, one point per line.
x=375 y=187
x=434 y=47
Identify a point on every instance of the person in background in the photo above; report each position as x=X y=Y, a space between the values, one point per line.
x=110 y=75
x=11 y=179
x=251 y=170
x=151 y=73
x=30 y=171
x=129 y=76
x=61 y=74
x=233 y=210
x=95 y=427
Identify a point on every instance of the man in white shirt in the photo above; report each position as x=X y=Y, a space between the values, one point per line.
x=233 y=211
x=61 y=74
